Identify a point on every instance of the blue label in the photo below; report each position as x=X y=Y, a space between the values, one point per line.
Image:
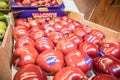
x=85 y=25
x=26 y=38
x=90 y=38
x=59 y=34
x=68 y=29
x=101 y=53
x=57 y=28
x=51 y=61
x=45 y=38
x=88 y=61
x=47 y=25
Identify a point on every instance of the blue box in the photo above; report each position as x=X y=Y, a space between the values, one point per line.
x=16 y=7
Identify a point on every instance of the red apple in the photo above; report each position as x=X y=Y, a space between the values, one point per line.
x=23 y=41
x=30 y=72
x=33 y=23
x=77 y=24
x=26 y=2
x=45 y=25
x=24 y=55
x=66 y=46
x=20 y=32
x=51 y=22
x=87 y=28
x=70 y=73
x=66 y=31
x=71 y=26
x=112 y=40
x=56 y=36
x=94 y=39
x=51 y=61
x=110 y=49
x=90 y=48
x=57 y=27
x=36 y=35
x=40 y=20
x=69 y=20
x=79 y=59
x=80 y=32
x=40 y=2
x=34 y=3
x=75 y=39
x=107 y=64
x=49 y=30
x=43 y=43
x=34 y=29
x=98 y=33
x=104 y=77
x=20 y=22
x=18 y=3
x=64 y=23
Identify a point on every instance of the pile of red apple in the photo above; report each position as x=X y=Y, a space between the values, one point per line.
x=63 y=48
x=37 y=2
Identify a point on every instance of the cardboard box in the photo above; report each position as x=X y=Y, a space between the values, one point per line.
x=8 y=9
x=5 y=54
x=75 y=16
x=16 y=7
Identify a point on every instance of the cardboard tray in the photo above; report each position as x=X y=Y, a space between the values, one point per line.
x=16 y=7
x=5 y=54
x=75 y=16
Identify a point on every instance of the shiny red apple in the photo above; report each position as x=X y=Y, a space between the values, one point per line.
x=37 y=34
x=34 y=23
x=80 y=32
x=112 y=40
x=30 y=72
x=90 y=48
x=75 y=39
x=20 y=22
x=51 y=61
x=20 y=32
x=23 y=41
x=94 y=39
x=56 y=36
x=107 y=64
x=44 y=43
x=70 y=73
x=87 y=28
x=34 y=29
x=110 y=49
x=24 y=55
x=66 y=46
x=98 y=33
x=80 y=60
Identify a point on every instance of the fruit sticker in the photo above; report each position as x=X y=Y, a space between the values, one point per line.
x=45 y=38
x=51 y=61
x=88 y=61
x=90 y=38
x=101 y=53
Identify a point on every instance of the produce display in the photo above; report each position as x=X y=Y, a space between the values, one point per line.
x=37 y=2
x=63 y=48
x=3 y=26
x=4 y=4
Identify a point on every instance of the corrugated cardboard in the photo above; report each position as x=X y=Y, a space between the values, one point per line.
x=5 y=55
x=80 y=17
